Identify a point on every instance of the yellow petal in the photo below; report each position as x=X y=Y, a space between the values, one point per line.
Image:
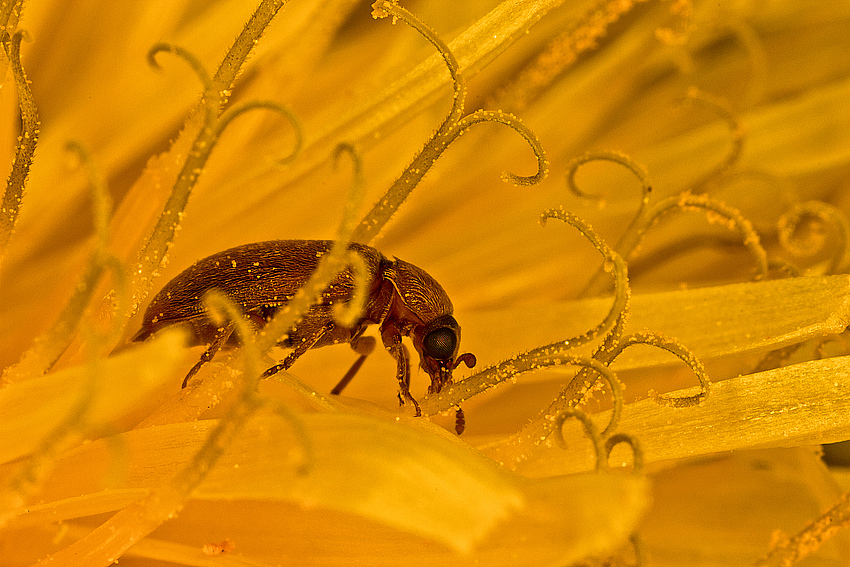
x=33 y=409
x=405 y=475
x=803 y=404
x=712 y=321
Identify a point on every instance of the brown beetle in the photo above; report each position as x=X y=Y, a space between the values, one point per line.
x=262 y=277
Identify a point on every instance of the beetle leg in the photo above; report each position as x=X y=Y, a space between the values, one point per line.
x=460 y=420
x=403 y=375
x=221 y=336
x=392 y=342
x=302 y=347
x=362 y=346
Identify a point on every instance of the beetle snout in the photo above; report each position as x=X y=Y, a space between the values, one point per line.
x=440 y=371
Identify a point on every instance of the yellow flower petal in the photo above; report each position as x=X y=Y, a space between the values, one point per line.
x=407 y=475
x=34 y=408
x=712 y=321
x=791 y=406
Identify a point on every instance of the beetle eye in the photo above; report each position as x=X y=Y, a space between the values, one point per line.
x=440 y=343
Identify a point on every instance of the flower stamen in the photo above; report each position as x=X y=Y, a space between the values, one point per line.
x=452 y=127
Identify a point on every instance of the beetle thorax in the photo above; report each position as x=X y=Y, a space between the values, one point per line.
x=419 y=292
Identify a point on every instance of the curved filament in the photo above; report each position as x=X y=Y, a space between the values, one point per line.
x=329 y=265
x=347 y=314
x=451 y=128
x=599 y=281
x=613 y=263
x=517 y=126
x=547 y=355
x=674 y=347
x=49 y=346
x=352 y=206
x=716 y=212
x=561 y=403
x=590 y=432
x=28 y=139
x=632 y=442
x=191 y=60
x=736 y=130
x=232 y=113
x=101 y=199
x=822 y=213
x=616 y=157
x=10 y=13
x=216 y=89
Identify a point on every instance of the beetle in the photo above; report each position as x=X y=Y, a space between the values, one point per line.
x=264 y=276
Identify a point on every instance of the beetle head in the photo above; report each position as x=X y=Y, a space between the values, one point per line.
x=437 y=344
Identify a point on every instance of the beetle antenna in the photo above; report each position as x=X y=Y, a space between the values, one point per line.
x=467 y=358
